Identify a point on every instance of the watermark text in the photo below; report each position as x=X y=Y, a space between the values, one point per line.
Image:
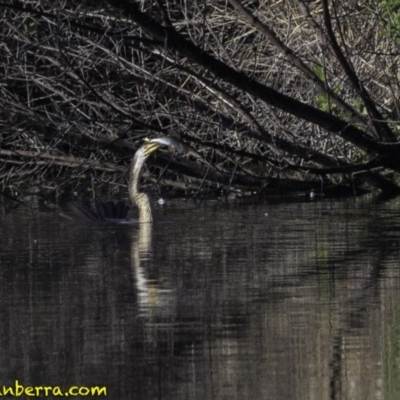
x=19 y=390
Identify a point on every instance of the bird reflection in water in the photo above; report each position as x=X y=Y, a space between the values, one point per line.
x=155 y=297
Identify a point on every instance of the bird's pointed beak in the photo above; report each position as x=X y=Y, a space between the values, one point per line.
x=170 y=142
x=150 y=147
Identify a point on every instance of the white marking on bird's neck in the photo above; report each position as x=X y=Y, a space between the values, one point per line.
x=141 y=200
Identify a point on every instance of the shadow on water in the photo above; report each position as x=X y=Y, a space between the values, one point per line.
x=263 y=301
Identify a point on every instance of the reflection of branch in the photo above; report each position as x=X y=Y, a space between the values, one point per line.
x=336 y=367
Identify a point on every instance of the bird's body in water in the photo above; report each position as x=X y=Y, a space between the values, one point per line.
x=109 y=212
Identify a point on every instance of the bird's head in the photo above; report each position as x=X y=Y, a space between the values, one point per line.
x=170 y=142
x=150 y=147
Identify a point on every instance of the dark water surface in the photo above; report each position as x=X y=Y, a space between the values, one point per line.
x=218 y=301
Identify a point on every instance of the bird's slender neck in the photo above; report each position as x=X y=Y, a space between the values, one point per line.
x=140 y=199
